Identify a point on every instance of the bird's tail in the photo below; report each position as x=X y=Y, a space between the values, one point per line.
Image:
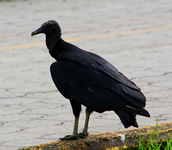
x=127 y=119
x=138 y=111
x=128 y=115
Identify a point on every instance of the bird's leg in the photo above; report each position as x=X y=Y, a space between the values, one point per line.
x=75 y=129
x=76 y=111
x=84 y=133
x=74 y=134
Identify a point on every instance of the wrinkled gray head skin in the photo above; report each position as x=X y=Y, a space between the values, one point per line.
x=49 y=28
x=52 y=31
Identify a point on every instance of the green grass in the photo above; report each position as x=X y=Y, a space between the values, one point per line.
x=153 y=144
x=150 y=145
x=164 y=145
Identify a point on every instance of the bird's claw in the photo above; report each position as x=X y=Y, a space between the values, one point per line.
x=75 y=137
x=83 y=134
x=69 y=137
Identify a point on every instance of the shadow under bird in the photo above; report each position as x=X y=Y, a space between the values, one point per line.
x=88 y=79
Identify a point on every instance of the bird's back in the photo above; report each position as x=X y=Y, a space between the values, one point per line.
x=93 y=81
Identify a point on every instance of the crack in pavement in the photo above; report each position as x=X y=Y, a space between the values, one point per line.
x=29 y=93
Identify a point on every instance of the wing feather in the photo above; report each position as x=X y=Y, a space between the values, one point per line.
x=122 y=85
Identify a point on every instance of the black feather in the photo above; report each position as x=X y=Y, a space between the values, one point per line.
x=88 y=79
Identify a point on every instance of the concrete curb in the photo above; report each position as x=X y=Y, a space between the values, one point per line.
x=111 y=140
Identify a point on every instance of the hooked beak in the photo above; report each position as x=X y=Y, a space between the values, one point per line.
x=39 y=30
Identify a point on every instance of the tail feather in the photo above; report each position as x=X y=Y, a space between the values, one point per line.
x=127 y=119
x=139 y=111
x=128 y=115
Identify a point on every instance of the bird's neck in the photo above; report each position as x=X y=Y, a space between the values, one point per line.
x=58 y=49
x=51 y=41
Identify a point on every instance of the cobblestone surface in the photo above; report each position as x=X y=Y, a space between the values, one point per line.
x=133 y=35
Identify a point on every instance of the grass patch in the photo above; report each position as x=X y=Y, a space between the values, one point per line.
x=151 y=145
x=153 y=142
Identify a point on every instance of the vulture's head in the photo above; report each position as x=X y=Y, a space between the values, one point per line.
x=52 y=31
x=49 y=28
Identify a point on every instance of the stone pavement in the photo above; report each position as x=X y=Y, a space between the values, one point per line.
x=135 y=36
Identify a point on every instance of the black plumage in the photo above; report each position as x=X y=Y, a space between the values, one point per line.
x=88 y=79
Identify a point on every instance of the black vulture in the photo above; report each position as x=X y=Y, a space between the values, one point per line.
x=88 y=79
